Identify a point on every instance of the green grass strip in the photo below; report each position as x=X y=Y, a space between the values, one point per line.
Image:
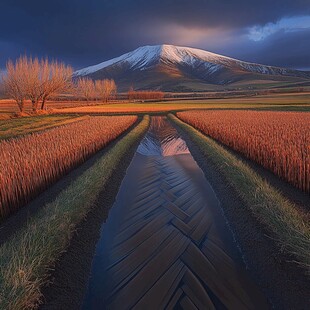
x=288 y=225
x=26 y=258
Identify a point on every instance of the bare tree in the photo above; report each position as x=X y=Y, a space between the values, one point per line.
x=113 y=89
x=33 y=81
x=101 y=89
x=105 y=89
x=85 y=87
x=36 y=80
x=55 y=77
x=14 y=81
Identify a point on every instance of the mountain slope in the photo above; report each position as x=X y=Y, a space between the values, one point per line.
x=171 y=67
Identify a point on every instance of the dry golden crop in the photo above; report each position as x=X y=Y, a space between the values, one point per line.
x=31 y=163
x=279 y=141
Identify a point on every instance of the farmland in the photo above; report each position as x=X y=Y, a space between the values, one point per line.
x=61 y=140
x=299 y=102
x=285 y=223
x=140 y=170
x=27 y=257
x=8 y=106
x=279 y=141
x=65 y=138
x=24 y=172
x=282 y=102
x=11 y=128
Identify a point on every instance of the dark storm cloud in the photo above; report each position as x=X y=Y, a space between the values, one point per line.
x=86 y=32
x=279 y=49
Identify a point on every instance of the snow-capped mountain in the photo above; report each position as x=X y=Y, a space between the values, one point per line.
x=171 y=67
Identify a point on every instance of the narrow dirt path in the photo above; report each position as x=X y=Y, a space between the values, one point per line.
x=166 y=243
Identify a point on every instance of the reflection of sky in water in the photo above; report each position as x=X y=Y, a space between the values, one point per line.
x=162 y=140
x=165 y=232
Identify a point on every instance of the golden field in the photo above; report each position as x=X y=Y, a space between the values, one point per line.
x=31 y=163
x=279 y=141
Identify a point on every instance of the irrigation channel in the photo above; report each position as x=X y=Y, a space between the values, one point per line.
x=166 y=243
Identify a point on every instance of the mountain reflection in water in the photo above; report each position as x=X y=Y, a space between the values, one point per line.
x=166 y=244
x=162 y=139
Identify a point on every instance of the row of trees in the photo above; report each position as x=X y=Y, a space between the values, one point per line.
x=38 y=79
x=100 y=89
x=35 y=80
x=145 y=95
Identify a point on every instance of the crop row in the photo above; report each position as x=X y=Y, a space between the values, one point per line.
x=279 y=141
x=31 y=163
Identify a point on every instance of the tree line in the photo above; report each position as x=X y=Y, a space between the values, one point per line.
x=145 y=95
x=104 y=90
x=37 y=80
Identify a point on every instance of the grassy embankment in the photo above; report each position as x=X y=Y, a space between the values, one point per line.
x=288 y=226
x=26 y=258
x=11 y=128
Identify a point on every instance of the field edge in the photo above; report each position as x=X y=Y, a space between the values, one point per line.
x=49 y=232
x=241 y=199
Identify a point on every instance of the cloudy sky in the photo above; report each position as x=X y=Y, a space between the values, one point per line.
x=83 y=33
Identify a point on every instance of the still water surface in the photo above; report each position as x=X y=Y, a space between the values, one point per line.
x=166 y=244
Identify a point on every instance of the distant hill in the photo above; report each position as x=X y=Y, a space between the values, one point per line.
x=174 y=68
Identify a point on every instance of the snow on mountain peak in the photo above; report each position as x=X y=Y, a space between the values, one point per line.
x=139 y=57
x=147 y=55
